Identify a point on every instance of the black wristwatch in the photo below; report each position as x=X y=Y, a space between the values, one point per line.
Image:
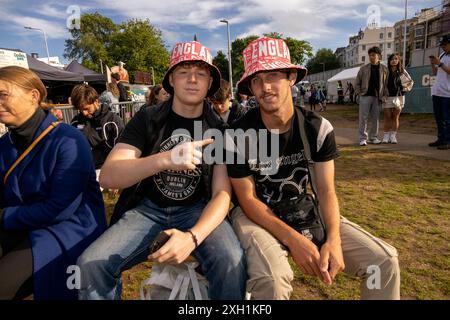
x=440 y=65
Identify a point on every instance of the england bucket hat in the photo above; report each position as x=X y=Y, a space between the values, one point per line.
x=192 y=51
x=266 y=54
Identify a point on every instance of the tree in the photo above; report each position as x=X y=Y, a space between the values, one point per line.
x=141 y=47
x=237 y=61
x=90 y=42
x=299 y=50
x=221 y=62
x=136 y=42
x=323 y=56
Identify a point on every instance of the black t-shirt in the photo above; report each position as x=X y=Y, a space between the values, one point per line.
x=394 y=84
x=290 y=176
x=167 y=188
x=374 y=81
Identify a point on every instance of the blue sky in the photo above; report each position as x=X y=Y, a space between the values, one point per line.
x=325 y=24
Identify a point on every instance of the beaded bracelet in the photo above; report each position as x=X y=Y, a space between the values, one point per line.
x=193 y=238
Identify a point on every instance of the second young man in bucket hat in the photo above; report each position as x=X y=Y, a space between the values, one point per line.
x=266 y=239
x=173 y=189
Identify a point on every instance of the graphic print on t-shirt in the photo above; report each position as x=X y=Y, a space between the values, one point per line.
x=289 y=181
x=177 y=185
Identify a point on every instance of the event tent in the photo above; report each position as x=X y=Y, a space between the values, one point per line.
x=88 y=74
x=345 y=76
x=48 y=73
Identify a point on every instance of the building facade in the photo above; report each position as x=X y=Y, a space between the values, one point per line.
x=356 y=53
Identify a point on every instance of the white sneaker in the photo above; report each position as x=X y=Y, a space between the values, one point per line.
x=386 y=137
x=393 y=138
x=363 y=143
x=375 y=141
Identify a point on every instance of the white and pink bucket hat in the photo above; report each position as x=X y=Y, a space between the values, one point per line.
x=265 y=54
x=192 y=51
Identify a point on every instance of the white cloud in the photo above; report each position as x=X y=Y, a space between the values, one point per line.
x=327 y=20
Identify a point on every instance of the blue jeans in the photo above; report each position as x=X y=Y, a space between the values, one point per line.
x=441 y=109
x=126 y=243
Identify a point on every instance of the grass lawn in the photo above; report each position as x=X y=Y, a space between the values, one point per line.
x=403 y=199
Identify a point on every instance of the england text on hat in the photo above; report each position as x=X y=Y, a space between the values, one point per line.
x=191 y=48
x=267 y=48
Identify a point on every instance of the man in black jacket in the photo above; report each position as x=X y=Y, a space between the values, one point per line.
x=101 y=127
x=229 y=112
x=160 y=151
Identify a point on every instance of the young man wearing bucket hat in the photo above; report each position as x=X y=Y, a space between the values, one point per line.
x=266 y=239
x=169 y=188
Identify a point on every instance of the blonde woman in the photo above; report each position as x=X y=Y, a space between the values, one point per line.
x=397 y=84
x=51 y=207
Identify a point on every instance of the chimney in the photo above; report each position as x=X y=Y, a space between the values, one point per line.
x=35 y=55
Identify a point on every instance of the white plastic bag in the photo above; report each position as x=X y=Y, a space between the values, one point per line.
x=175 y=282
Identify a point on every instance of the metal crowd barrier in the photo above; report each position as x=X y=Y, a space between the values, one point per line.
x=125 y=110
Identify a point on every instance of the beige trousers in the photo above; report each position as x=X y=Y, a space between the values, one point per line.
x=270 y=275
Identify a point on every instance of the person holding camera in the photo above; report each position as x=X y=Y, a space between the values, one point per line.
x=441 y=94
x=274 y=206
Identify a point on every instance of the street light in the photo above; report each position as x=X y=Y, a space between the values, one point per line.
x=45 y=39
x=404 y=33
x=229 y=57
x=153 y=75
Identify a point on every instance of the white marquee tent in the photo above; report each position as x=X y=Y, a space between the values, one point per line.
x=345 y=76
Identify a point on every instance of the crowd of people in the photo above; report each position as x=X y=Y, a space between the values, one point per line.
x=52 y=214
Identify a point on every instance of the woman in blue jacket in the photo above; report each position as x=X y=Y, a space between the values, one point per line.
x=51 y=207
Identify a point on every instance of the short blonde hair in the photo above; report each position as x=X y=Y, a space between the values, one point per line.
x=24 y=78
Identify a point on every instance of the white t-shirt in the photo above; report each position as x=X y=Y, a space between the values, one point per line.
x=441 y=87
x=294 y=91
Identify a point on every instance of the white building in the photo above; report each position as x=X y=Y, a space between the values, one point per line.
x=53 y=61
x=356 y=53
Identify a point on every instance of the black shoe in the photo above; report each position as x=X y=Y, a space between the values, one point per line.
x=444 y=147
x=437 y=143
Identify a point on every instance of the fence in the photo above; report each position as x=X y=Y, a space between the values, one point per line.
x=125 y=110
x=418 y=100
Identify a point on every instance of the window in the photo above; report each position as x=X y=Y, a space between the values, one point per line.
x=419 y=31
x=389 y=45
x=397 y=47
x=389 y=34
x=381 y=46
x=381 y=35
x=363 y=58
x=418 y=45
x=407 y=30
x=363 y=47
x=397 y=32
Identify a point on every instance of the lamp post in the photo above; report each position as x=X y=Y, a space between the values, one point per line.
x=229 y=57
x=45 y=39
x=153 y=75
x=404 y=33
